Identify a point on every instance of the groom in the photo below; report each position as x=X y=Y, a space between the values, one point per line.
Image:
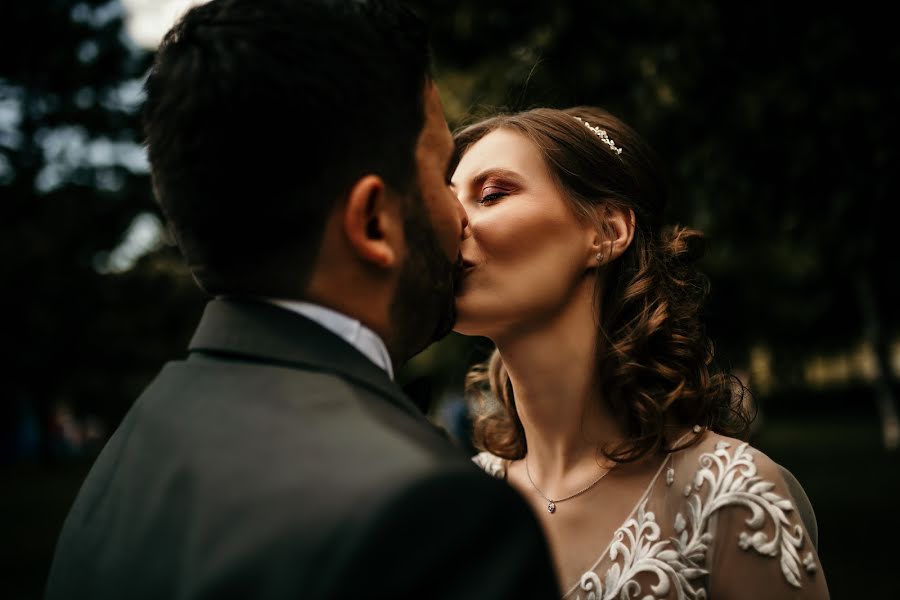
x=299 y=152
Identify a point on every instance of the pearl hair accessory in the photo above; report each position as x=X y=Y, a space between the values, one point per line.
x=601 y=133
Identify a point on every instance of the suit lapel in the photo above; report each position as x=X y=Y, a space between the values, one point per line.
x=258 y=331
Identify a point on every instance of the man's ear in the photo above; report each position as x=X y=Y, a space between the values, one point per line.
x=619 y=227
x=373 y=223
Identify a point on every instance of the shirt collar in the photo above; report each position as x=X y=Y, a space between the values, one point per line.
x=351 y=330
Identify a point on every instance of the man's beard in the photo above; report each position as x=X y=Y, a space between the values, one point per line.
x=423 y=310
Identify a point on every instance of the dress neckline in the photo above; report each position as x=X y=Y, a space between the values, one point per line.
x=630 y=515
x=499 y=467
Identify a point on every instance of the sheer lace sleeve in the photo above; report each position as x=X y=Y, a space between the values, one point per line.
x=759 y=547
x=802 y=505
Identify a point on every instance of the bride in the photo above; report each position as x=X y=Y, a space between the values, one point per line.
x=600 y=403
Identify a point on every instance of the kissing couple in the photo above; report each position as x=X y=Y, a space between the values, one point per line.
x=300 y=154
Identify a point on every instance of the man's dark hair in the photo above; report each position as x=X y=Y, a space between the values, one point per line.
x=261 y=113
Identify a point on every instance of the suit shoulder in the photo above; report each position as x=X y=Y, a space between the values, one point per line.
x=316 y=438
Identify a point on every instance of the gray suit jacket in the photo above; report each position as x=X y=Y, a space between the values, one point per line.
x=278 y=462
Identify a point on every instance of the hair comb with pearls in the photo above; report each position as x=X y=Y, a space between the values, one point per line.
x=601 y=133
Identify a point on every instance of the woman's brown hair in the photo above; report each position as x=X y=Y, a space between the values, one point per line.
x=654 y=361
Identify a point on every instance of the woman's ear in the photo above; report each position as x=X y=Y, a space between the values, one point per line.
x=609 y=245
x=373 y=223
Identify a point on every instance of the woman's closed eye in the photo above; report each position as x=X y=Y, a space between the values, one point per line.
x=491 y=194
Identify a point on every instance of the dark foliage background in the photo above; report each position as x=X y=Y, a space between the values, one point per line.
x=778 y=122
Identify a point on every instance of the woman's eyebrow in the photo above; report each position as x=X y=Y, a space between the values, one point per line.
x=498 y=172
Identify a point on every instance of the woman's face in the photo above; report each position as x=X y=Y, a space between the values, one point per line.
x=526 y=253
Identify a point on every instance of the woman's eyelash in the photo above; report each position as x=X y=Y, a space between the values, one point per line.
x=496 y=192
x=491 y=197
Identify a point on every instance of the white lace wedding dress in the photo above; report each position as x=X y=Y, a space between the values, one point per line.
x=716 y=520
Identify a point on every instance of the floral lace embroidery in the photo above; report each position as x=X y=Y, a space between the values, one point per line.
x=730 y=481
x=643 y=553
x=492 y=465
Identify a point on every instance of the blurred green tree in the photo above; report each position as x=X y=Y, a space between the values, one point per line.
x=73 y=177
x=777 y=123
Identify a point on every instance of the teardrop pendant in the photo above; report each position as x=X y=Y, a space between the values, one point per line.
x=551 y=508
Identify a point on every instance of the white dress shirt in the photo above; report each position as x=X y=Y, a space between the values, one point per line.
x=352 y=331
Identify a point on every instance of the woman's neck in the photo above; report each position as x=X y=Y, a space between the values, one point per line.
x=552 y=369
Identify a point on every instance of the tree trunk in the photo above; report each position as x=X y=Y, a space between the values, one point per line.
x=874 y=335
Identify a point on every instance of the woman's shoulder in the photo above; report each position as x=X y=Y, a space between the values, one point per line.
x=759 y=505
x=716 y=452
x=491 y=464
x=747 y=458
x=702 y=448
x=721 y=459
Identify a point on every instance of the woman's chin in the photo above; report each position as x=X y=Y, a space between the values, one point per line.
x=474 y=317
x=462 y=327
x=467 y=325
x=464 y=323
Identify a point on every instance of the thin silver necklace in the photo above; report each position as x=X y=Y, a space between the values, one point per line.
x=551 y=504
